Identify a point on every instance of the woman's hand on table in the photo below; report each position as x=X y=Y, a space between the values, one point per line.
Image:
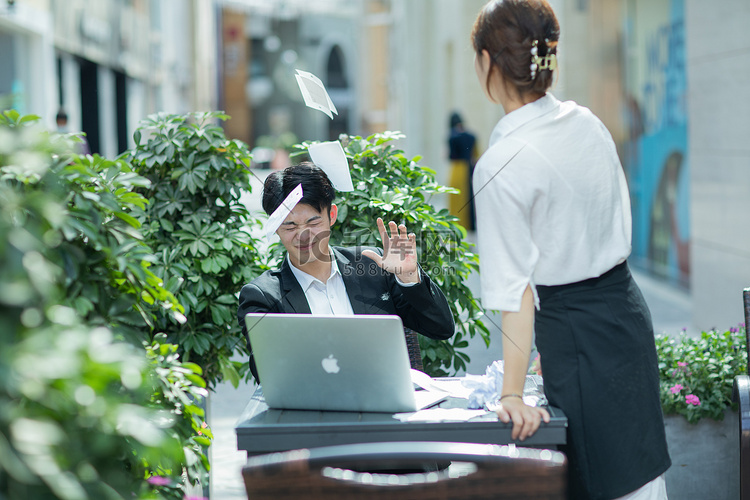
x=526 y=419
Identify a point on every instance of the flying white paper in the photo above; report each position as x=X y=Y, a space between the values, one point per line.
x=314 y=93
x=281 y=213
x=330 y=157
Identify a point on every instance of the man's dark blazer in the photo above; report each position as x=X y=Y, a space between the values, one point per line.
x=371 y=290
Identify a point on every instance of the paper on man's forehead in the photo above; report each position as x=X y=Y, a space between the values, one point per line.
x=314 y=93
x=280 y=214
x=330 y=157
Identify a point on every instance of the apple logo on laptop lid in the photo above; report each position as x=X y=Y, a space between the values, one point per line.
x=330 y=364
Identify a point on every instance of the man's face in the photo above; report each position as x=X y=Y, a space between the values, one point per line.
x=305 y=234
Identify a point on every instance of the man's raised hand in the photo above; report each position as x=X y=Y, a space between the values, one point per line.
x=399 y=252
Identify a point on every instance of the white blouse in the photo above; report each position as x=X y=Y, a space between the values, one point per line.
x=552 y=202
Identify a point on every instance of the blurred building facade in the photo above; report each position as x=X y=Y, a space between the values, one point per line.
x=108 y=64
x=264 y=43
x=387 y=64
x=665 y=77
x=27 y=58
x=718 y=70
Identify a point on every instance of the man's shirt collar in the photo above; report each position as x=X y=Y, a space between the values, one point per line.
x=305 y=280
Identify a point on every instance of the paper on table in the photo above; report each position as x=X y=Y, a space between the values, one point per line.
x=330 y=157
x=425 y=399
x=421 y=379
x=450 y=386
x=314 y=93
x=281 y=213
x=453 y=386
x=443 y=415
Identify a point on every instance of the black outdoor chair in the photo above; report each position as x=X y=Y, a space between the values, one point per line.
x=485 y=472
x=742 y=396
x=415 y=352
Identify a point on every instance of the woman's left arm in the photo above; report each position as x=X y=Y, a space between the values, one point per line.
x=517 y=329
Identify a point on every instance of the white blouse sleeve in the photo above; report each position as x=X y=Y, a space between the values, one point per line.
x=504 y=202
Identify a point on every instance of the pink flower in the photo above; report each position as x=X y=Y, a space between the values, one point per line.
x=536 y=366
x=677 y=388
x=158 y=480
x=681 y=363
x=692 y=399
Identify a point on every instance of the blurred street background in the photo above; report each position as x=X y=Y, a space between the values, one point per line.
x=667 y=77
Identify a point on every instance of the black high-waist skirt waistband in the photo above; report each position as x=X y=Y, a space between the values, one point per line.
x=615 y=275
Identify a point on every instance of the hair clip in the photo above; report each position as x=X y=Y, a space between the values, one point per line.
x=549 y=61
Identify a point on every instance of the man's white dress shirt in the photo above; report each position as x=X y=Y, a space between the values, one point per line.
x=329 y=298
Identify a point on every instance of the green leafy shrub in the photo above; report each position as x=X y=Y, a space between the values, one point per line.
x=107 y=262
x=199 y=231
x=696 y=374
x=81 y=414
x=71 y=425
x=104 y=259
x=390 y=185
x=178 y=386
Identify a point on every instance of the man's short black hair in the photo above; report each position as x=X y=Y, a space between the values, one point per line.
x=317 y=190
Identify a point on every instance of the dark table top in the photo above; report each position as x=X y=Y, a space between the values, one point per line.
x=261 y=429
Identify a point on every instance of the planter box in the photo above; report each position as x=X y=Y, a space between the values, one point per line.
x=705 y=458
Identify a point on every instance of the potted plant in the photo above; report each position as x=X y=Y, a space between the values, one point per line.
x=696 y=378
x=200 y=233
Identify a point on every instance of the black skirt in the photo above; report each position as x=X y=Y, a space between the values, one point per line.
x=598 y=359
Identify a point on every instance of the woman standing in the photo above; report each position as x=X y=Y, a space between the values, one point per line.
x=463 y=157
x=554 y=229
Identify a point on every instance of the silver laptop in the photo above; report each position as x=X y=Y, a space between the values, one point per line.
x=347 y=363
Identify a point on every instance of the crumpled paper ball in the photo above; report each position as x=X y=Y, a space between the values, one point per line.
x=485 y=388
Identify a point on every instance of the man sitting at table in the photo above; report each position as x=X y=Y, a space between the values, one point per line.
x=319 y=279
